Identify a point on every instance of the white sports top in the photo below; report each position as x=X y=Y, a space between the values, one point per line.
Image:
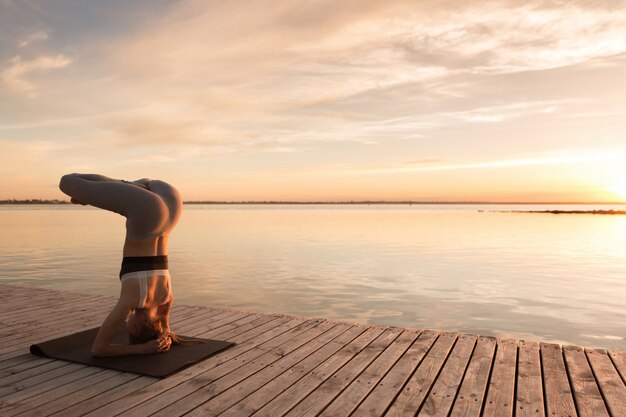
x=142 y=277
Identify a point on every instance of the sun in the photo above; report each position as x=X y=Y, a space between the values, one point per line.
x=618 y=189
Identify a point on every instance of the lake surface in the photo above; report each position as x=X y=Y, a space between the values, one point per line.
x=558 y=278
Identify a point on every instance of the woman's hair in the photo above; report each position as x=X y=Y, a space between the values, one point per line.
x=152 y=329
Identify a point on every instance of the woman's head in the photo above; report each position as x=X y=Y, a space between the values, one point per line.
x=142 y=327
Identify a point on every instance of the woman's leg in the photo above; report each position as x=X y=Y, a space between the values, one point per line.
x=114 y=195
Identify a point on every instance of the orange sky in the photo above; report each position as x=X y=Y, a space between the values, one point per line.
x=351 y=100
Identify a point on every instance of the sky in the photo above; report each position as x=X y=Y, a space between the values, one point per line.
x=318 y=100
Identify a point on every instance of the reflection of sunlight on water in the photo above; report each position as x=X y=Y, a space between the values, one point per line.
x=606 y=337
x=618 y=241
x=555 y=277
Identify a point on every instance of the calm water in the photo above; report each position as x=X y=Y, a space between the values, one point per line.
x=558 y=278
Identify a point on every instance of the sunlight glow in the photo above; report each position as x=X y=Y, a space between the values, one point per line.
x=618 y=188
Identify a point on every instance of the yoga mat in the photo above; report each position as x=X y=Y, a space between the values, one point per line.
x=76 y=348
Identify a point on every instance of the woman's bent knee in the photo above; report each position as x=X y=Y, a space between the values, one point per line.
x=67 y=182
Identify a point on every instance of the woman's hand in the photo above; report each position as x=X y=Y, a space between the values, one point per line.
x=158 y=345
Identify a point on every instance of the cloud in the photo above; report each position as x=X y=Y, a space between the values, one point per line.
x=494 y=114
x=259 y=71
x=133 y=131
x=557 y=159
x=13 y=76
x=424 y=161
x=34 y=37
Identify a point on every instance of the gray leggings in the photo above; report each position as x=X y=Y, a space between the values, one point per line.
x=149 y=212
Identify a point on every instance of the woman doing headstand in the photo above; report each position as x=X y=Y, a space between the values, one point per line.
x=152 y=208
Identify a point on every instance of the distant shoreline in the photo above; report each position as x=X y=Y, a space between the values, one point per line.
x=34 y=201
x=270 y=202
x=602 y=212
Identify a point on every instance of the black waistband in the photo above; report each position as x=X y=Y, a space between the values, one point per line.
x=143 y=263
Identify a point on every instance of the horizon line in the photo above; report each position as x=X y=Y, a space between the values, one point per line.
x=57 y=201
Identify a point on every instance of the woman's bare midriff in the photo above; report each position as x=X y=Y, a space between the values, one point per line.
x=158 y=290
x=150 y=247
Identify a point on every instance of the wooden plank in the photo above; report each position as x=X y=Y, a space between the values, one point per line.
x=587 y=396
x=244 y=326
x=110 y=396
x=23 y=396
x=388 y=388
x=35 y=308
x=94 y=404
x=59 y=382
x=9 y=385
x=289 y=398
x=233 y=395
x=326 y=375
x=60 y=368
x=39 y=333
x=132 y=393
x=21 y=363
x=439 y=401
x=333 y=386
x=94 y=389
x=261 y=395
x=23 y=349
x=200 y=390
x=529 y=382
x=33 y=294
x=62 y=327
x=609 y=380
x=43 y=318
x=30 y=397
x=33 y=334
x=9 y=330
x=558 y=393
x=501 y=389
x=264 y=337
x=195 y=318
x=473 y=390
x=193 y=325
x=16 y=307
x=619 y=360
x=35 y=384
x=414 y=392
x=86 y=390
x=359 y=389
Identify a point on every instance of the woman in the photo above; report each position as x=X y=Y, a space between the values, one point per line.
x=152 y=208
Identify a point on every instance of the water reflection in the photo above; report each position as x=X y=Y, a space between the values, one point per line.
x=550 y=277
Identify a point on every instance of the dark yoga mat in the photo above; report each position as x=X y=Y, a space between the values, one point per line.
x=76 y=348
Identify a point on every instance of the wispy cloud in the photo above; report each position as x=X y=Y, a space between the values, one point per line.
x=494 y=114
x=564 y=159
x=13 y=77
x=272 y=66
x=34 y=37
x=425 y=161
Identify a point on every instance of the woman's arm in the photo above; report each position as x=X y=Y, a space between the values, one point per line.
x=163 y=314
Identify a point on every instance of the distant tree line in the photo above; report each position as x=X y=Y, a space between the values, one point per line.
x=34 y=201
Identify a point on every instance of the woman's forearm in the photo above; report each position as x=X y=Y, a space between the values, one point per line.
x=165 y=324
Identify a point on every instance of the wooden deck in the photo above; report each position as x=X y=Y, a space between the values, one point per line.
x=294 y=366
